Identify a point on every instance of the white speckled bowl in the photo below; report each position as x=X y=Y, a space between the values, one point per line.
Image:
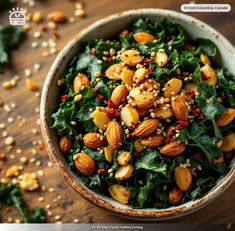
x=106 y=28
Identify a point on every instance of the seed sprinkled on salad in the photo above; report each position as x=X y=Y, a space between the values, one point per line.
x=148 y=116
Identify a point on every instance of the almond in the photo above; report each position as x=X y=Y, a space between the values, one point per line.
x=183 y=177
x=32 y=85
x=131 y=57
x=108 y=153
x=228 y=143
x=162 y=112
x=123 y=157
x=127 y=76
x=100 y=118
x=85 y=164
x=153 y=141
x=119 y=94
x=226 y=117
x=143 y=37
x=205 y=60
x=119 y=193
x=146 y=128
x=172 y=87
x=93 y=140
x=144 y=101
x=208 y=74
x=114 y=71
x=175 y=195
x=65 y=144
x=114 y=134
x=79 y=82
x=140 y=74
x=57 y=16
x=138 y=146
x=161 y=58
x=172 y=149
x=179 y=107
x=124 y=172
x=129 y=116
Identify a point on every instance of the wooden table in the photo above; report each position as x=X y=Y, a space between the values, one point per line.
x=64 y=201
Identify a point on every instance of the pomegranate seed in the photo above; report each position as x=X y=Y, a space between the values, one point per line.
x=93 y=52
x=64 y=97
x=100 y=97
x=183 y=123
x=95 y=89
x=167 y=140
x=111 y=104
x=101 y=171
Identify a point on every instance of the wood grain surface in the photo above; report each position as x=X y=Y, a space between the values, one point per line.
x=64 y=201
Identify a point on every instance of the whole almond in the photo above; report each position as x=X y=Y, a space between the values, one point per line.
x=183 y=177
x=226 y=117
x=131 y=57
x=175 y=194
x=119 y=193
x=172 y=149
x=161 y=58
x=179 y=107
x=32 y=85
x=145 y=101
x=65 y=144
x=143 y=37
x=57 y=16
x=85 y=164
x=119 y=94
x=129 y=116
x=94 y=140
x=79 y=82
x=228 y=143
x=146 y=128
x=208 y=74
x=114 y=71
x=172 y=87
x=153 y=141
x=114 y=134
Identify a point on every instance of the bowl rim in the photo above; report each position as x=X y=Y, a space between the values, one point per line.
x=128 y=212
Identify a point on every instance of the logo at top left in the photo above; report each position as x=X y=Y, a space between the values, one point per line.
x=17 y=17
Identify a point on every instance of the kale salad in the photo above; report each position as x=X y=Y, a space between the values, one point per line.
x=147 y=117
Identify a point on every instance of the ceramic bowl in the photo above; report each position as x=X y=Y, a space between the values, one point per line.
x=105 y=28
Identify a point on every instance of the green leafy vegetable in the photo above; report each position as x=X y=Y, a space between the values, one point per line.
x=196 y=137
x=10 y=38
x=10 y=194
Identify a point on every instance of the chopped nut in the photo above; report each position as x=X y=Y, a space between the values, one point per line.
x=29 y=182
x=12 y=171
x=32 y=85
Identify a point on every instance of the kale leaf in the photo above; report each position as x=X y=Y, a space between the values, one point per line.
x=207 y=47
x=10 y=194
x=148 y=162
x=209 y=106
x=10 y=38
x=196 y=137
x=226 y=82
